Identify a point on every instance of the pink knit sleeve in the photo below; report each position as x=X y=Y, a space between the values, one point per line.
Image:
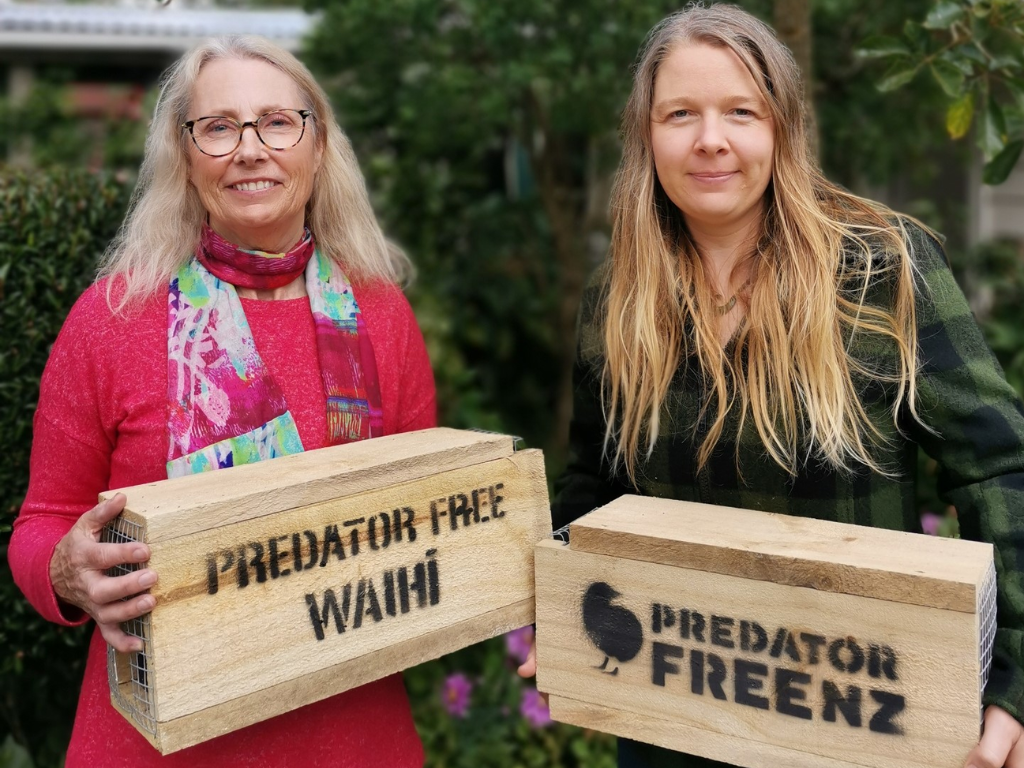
x=69 y=464
x=55 y=500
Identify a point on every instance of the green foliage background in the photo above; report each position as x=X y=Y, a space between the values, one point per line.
x=974 y=50
x=488 y=134
x=53 y=228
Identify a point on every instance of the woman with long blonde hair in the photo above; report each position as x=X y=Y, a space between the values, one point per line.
x=250 y=308
x=761 y=338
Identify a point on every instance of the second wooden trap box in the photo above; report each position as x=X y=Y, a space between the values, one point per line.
x=284 y=582
x=763 y=640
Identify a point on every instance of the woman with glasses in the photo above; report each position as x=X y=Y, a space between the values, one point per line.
x=248 y=309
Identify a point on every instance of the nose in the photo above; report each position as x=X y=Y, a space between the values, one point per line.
x=711 y=139
x=250 y=149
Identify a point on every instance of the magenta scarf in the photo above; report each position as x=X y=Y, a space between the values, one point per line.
x=258 y=270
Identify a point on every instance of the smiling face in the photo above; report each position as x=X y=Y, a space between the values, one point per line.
x=256 y=197
x=712 y=137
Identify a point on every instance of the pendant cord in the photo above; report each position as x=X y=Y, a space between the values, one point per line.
x=724 y=309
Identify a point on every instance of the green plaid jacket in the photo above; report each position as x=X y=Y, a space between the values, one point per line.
x=962 y=395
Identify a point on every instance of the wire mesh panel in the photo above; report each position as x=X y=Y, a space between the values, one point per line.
x=987 y=623
x=128 y=673
x=562 y=534
x=516 y=440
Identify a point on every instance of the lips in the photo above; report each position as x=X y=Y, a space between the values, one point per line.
x=713 y=175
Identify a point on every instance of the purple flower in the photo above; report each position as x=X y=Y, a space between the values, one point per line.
x=518 y=643
x=930 y=523
x=455 y=694
x=533 y=708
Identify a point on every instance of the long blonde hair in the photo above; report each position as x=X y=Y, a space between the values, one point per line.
x=165 y=217
x=819 y=248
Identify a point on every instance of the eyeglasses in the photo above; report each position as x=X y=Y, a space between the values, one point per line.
x=218 y=135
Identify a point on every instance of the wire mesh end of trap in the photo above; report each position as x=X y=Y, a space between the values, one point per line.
x=516 y=439
x=562 y=534
x=128 y=673
x=987 y=624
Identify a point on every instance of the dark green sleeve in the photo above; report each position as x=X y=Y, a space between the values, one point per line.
x=586 y=482
x=979 y=448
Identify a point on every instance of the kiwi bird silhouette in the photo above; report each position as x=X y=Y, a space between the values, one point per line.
x=612 y=628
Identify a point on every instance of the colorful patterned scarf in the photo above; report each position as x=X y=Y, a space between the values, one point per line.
x=224 y=406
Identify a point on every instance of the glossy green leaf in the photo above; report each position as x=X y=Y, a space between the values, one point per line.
x=991 y=129
x=899 y=74
x=998 y=169
x=943 y=14
x=880 y=46
x=960 y=115
x=956 y=58
x=1016 y=89
x=1005 y=62
x=916 y=35
x=972 y=52
x=13 y=755
x=1013 y=116
x=949 y=77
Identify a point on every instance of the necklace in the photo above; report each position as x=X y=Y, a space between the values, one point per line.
x=725 y=309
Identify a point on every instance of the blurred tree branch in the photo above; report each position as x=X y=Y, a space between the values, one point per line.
x=974 y=49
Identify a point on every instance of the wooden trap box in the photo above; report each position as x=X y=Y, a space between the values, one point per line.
x=284 y=582
x=764 y=640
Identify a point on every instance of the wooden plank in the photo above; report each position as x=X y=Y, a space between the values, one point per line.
x=732 y=750
x=384 y=575
x=209 y=723
x=209 y=500
x=743 y=659
x=835 y=557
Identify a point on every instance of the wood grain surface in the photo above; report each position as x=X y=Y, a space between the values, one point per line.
x=267 y=611
x=835 y=557
x=756 y=673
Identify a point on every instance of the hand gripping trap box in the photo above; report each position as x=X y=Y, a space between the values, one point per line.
x=764 y=640
x=284 y=582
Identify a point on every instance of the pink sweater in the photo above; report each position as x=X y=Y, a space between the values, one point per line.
x=102 y=423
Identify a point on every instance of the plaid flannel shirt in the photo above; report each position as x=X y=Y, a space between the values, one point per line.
x=978 y=443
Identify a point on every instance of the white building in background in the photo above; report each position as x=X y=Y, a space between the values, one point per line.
x=145 y=28
x=124 y=43
x=997 y=212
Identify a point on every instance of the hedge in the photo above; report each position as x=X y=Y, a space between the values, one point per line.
x=54 y=226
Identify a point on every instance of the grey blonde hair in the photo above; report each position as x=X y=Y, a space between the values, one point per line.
x=797 y=382
x=165 y=217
